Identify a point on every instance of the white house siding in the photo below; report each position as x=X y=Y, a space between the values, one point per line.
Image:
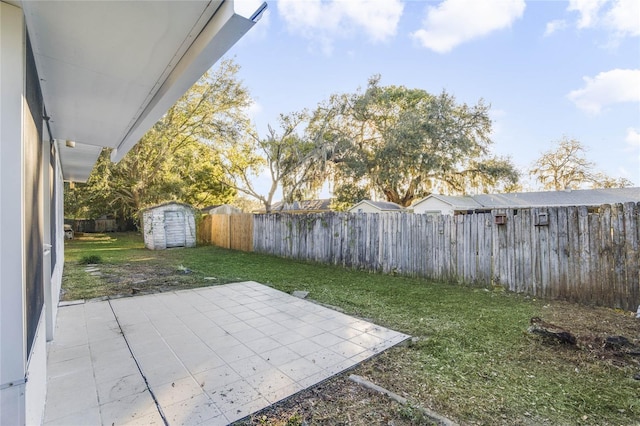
x=12 y=259
x=365 y=208
x=36 y=388
x=57 y=241
x=30 y=188
x=155 y=226
x=432 y=205
x=368 y=206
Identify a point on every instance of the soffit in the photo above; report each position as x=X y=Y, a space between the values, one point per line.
x=110 y=69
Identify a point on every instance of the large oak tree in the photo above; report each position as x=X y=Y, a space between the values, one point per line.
x=406 y=143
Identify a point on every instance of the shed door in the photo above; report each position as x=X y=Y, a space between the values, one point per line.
x=175 y=229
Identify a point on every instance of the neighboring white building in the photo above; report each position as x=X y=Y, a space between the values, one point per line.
x=221 y=209
x=76 y=77
x=169 y=225
x=368 y=206
x=445 y=204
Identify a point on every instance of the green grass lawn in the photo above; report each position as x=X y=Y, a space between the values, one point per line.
x=473 y=361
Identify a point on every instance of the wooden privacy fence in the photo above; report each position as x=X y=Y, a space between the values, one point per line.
x=232 y=231
x=587 y=255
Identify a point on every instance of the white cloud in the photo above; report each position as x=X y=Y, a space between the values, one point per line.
x=620 y=17
x=588 y=10
x=633 y=138
x=454 y=22
x=497 y=119
x=253 y=110
x=607 y=88
x=324 y=21
x=553 y=26
x=624 y=18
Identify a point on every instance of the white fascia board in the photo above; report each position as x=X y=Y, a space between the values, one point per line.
x=223 y=30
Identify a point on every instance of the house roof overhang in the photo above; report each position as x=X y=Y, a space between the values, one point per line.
x=109 y=70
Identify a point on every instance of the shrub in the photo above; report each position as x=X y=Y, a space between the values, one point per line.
x=89 y=259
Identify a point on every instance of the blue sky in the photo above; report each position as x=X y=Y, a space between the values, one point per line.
x=547 y=68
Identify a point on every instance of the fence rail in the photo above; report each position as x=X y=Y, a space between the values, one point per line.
x=582 y=254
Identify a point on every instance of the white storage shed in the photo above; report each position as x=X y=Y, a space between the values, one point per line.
x=169 y=225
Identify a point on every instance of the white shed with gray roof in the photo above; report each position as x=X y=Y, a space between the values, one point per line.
x=169 y=225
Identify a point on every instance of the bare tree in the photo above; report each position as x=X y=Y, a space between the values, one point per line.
x=564 y=167
x=287 y=156
x=567 y=167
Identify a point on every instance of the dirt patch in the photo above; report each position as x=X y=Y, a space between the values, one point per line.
x=586 y=320
x=598 y=332
x=338 y=401
x=145 y=279
x=142 y=278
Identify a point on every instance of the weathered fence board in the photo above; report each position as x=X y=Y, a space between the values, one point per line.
x=619 y=255
x=632 y=244
x=588 y=255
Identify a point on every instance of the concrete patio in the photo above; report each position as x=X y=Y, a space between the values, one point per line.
x=210 y=356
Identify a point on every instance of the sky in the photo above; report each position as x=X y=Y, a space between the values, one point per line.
x=549 y=69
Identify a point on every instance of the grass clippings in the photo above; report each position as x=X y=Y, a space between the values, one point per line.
x=472 y=359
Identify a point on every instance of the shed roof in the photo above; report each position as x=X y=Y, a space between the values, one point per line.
x=458 y=201
x=578 y=197
x=212 y=206
x=380 y=205
x=218 y=207
x=177 y=203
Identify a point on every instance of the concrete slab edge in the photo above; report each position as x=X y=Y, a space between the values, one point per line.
x=440 y=420
x=71 y=303
x=346 y=370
